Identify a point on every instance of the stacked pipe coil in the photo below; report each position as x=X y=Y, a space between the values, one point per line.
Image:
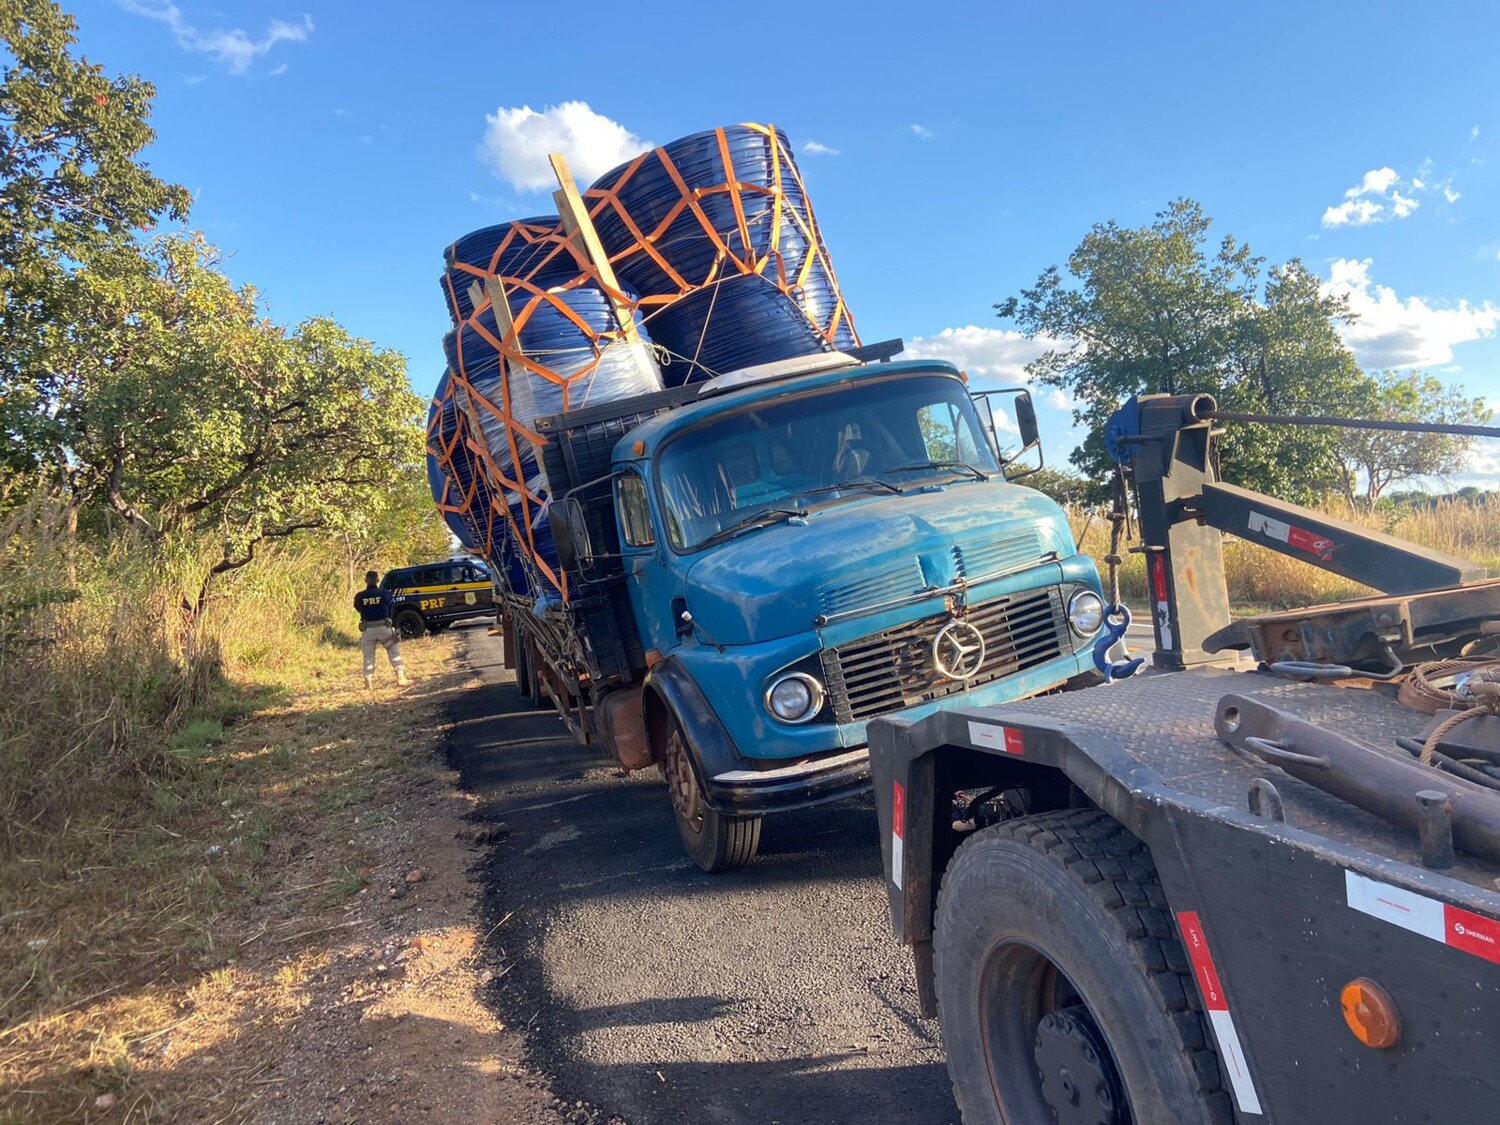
x=454 y=474
x=689 y=224
x=533 y=248
x=564 y=350
x=713 y=243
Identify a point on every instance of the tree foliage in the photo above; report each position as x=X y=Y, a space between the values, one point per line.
x=135 y=378
x=1067 y=488
x=1159 y=309
x=1369 y=461
x=72 y=188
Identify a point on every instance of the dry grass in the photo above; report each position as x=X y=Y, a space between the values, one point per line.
x=1260 y=579
x=144 y=786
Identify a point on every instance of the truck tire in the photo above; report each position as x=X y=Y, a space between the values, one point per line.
x=1063 y=991
x=409 y=624
x=714 y=841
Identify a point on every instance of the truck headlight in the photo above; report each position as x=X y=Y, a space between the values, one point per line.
x=795 y=697
x=1085 y=612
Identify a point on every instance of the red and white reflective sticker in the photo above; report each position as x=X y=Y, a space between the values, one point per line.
x=898 y=830
x=1430 y=917
x=1214 y=1001
x=1163 y=602
x=1009 y=739
x=1292 y=536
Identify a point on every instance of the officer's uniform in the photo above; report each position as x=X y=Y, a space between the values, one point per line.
x=376 y=631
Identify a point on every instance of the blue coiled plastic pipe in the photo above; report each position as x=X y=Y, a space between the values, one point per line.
x=744 y=320
x=520 y=259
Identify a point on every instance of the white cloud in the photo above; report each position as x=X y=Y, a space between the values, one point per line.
x=1379 y=198
x=993 y=355
x=230 y=46
x=1474 y=133
x=1377 y=181
x=1394 y=332
x=517 y=141
x=1359 y=212
x=818 y=148
x=280 y=70
x=1060 y=399
x=921 y=131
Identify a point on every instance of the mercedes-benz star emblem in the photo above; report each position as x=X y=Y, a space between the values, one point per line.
x=958 y=650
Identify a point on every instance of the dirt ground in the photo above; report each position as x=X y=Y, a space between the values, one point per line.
x=349 y=984
x=379 y=1015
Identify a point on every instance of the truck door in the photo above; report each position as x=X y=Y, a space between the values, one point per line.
x=652 y=586
x=474 y=589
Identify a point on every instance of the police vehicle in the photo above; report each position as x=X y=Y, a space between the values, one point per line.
x=433 y=596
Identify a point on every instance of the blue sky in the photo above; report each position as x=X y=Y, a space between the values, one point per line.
x=335 y=148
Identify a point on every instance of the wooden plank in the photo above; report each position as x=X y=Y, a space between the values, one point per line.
x=578 y=226
x=495 y=291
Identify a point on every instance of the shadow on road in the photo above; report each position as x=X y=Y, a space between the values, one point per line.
x=651 y=990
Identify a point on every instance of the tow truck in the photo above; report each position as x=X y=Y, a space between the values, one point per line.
x=1253 y=890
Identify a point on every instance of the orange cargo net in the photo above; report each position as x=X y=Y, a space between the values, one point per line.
x=474 y=505
x=770 y=265
x=525 y=301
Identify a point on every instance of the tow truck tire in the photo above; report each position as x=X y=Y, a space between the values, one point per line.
x=1054 y=940
x=715 y=841
x=409 y=624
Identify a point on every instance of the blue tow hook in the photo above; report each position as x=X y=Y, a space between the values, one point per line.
x=1116 y=622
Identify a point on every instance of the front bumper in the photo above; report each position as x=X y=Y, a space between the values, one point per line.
x=795 y=785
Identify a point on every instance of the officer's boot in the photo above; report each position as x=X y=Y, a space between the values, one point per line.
x=401 y=680
x=369 y=682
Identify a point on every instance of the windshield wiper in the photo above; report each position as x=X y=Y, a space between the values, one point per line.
x=852 y=482
x=755 y=519
x=955 y=466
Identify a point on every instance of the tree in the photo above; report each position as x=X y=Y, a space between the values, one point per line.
x=72 y=189
x=1370 y=461
x=1155 y=310
x=1067 y=488
x=186 y=412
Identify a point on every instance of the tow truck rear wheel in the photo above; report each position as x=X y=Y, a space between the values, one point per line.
x=715 y=841
x=1063 y=991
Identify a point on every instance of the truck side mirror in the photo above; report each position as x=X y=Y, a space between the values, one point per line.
x=570 y=533
x=1026 y=421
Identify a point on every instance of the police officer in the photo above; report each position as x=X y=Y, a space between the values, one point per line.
x=375 y=629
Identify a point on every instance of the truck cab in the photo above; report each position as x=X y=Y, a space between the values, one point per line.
x=806 y=547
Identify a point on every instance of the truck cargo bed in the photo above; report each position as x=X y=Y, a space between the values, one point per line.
x=1164 y=721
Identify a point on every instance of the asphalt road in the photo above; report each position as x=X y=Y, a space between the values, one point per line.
x=774 y=994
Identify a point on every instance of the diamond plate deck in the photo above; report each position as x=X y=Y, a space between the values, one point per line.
x=1165 y=721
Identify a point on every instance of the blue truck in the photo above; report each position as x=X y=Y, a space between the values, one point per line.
x=759 y=565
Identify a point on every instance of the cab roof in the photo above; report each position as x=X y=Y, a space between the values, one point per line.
x=728 y=397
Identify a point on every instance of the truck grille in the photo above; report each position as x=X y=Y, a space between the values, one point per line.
x=893 y=669
x=987 y=555
x=895 y=581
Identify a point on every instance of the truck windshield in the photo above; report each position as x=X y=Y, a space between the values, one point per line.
x=842 y=441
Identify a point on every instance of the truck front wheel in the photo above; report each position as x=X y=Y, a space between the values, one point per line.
x=715 y=841
x=1063 y=992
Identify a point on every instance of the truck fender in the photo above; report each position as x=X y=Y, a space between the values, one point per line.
x=671 y=692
